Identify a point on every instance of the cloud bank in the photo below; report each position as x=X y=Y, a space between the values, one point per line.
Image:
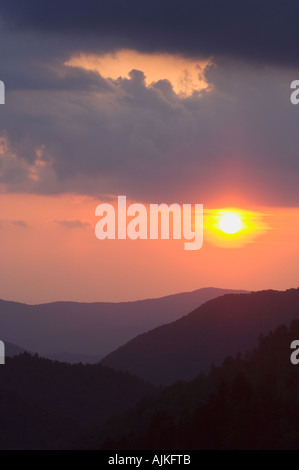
x=67 y=129
x=257 y=30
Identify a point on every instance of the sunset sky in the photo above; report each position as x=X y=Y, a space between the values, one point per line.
x=164 y=102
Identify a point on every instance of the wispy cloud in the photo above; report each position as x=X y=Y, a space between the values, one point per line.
x=17 y=223
x=20 y=223
x=72 y=223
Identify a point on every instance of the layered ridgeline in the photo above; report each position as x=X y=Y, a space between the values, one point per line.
x=248 y=402
x=218 y=328
x=75 y=332
x=46 y=404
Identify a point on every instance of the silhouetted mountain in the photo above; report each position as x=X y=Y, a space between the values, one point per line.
x=73 y=358
x=216 y=329
x=91 y=329
x=26 y=426
x=45 y=403
x=12 y=350
x=249 y=402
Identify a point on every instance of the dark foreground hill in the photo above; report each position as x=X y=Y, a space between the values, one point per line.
x=88 y=331
x=218 y=328
x=44 y=404
x=12 y=350
x=250 y=402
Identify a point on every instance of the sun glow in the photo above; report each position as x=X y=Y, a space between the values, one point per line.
x=233 y=228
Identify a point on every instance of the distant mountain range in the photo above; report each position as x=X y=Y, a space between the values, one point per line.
x=86 y=332
x=218 y=328
x=248 y=402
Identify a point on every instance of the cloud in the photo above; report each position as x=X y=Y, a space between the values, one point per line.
x=147 y=142
x=68 y=129
x=263 y=31
x=72 y=223
x=19 y=223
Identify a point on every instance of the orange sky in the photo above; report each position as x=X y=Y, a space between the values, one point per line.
x=49 y=252
x=185 y=74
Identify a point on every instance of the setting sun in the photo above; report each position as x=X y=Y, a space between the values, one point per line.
x=233 y=227
x=230 y=223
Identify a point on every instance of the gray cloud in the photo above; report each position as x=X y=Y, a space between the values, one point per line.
x=72 y=223
x=148 y=142
x=19 y=223
x=69 y=130
x=259 y=30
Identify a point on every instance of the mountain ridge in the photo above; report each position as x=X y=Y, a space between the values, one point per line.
x=92 y=329
x=182 y=349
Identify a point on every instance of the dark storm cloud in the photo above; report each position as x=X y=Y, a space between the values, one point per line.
x=70 y=130
x=31 y=62
x=264 y=30
x=151 y=144
x=73 y=79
